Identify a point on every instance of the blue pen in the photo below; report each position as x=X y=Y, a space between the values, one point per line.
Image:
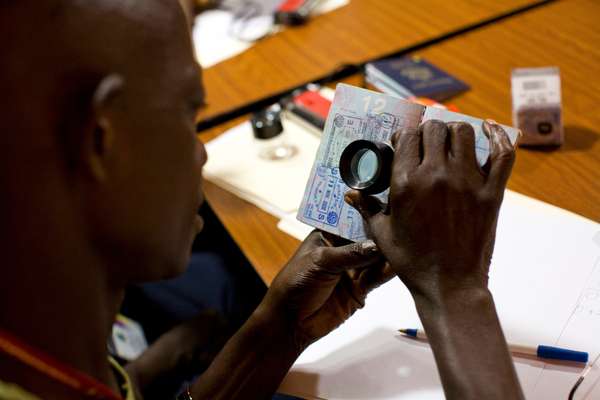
x=541 y=351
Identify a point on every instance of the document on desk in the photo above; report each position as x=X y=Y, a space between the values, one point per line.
x=363 y=114
x=274 y=186
x=216 y=33
x=545 y=278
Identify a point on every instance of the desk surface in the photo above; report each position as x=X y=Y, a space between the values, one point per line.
x=360 y=31
x=564 y=34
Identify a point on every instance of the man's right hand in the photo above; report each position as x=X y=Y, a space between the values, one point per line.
x=438 y=230
x=438 y=235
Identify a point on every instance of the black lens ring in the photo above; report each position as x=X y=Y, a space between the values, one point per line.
x=381 y=179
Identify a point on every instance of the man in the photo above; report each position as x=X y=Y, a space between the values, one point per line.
x=101 y=177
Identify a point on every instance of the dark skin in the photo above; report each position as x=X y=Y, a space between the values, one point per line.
x=101 y=174
x=319 y=288
x=443 y=257
x=105 y=134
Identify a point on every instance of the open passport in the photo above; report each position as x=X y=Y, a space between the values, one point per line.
x=363 y=114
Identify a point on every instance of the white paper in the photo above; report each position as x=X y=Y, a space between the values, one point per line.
x=214 y=43
x=545 y=277
x=274 y=186
x=212 y=40
x=296 y=229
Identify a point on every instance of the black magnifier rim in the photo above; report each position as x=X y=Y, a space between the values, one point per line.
x=381 y=179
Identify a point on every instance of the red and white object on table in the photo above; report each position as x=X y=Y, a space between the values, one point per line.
x=295 y=12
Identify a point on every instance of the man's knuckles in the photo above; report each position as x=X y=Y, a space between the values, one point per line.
x=504 y=153
x=319 y=256
x=488 y=199
x=433 y=127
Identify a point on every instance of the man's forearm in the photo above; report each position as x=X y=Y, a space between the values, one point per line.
x=469 y=347
x=253 y=363
x=161 y=358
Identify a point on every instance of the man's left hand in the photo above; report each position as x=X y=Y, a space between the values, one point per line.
x=323 y=285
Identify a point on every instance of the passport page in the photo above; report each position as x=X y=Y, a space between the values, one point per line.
x=355 y=114
x=358 y=113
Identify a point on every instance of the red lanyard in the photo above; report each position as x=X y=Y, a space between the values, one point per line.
x=54 y=369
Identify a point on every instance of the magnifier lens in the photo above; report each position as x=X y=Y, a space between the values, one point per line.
x=364 y=165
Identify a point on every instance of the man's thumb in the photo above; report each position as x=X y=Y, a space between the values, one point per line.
x=367 y=206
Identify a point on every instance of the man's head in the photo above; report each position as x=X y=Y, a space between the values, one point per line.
x=99 y=99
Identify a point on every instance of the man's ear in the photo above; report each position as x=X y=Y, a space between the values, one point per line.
x=99 y=138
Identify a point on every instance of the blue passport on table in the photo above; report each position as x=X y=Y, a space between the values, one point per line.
x=413 y=77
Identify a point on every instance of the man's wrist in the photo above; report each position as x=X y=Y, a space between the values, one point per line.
x=467 y=340
x=453 y=299
x=255 y=359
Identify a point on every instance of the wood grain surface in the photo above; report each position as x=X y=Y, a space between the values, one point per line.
x=360 y=31
x=564 y=34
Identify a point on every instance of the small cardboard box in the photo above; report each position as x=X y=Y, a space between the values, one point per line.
x=536 y=103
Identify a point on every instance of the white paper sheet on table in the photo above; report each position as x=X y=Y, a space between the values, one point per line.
x=545 y=277
x=214 y=43
x=274 y=186
x=290 y=225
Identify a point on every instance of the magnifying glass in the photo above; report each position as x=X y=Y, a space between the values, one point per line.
x=367 y=166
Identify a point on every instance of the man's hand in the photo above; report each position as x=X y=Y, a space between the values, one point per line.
x=319 y=288
x=438 y=235
x=438 y=231
x=322 y=285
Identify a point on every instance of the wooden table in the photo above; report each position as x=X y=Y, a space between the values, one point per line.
x=360 y=31
x=564 y=34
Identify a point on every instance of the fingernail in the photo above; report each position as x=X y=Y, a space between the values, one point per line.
x=369 y=246
x=490 y=133
x=348 y=200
